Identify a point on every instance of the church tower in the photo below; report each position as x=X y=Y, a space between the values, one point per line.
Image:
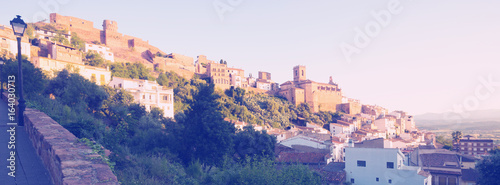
x=299 y=73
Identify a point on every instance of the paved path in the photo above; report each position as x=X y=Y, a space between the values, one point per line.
x=29 y=166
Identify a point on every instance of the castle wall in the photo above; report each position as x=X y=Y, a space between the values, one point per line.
x=109 y=35
x=84 y=28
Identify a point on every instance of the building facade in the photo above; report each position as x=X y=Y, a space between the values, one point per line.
x=100 y=76
x=319 y=96
x=8 y=42
x=368 y=166
x=148 y=93
x=237 y=78
x=219 y=75
x=474 y=146
x=58 y=51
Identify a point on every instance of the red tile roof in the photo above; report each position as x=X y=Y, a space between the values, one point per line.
x=304 y=158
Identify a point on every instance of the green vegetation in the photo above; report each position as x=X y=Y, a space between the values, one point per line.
x=61 y=39
x=30 y=31
x=93 y=58
x=237 y=104
x=199 y=147
x=489 y=168
x=77 y=42
x=448 y=144
x=129 y=70
x=457 y=135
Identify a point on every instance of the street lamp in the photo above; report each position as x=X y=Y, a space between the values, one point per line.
x=18 y=26
x=1 y=79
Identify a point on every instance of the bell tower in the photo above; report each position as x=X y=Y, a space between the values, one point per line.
x=299 y=73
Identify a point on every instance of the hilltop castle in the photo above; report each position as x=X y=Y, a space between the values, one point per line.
x=109 y=34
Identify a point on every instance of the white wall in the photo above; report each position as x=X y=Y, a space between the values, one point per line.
x=376 y=167
x=104 y=51
x=25 y=48
x=147 y=93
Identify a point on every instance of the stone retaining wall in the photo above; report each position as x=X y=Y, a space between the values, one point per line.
x=69 y=162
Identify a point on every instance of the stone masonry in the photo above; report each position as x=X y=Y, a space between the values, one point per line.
x=68 y=161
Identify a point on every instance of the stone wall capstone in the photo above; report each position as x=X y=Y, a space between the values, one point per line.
x=69 y=162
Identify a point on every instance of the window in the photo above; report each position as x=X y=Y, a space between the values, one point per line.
x=390 y=181
x=103 y=80
x=376 y=179
x=362 y=163
x=452 y=180
x=144 y=96
x=352 y=180
x=92 y=78
x=390 y=165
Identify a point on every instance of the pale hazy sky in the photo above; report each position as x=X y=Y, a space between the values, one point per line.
x=427 y=58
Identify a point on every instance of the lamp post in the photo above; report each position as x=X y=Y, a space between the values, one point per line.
x=1 y=79
x=18 y=26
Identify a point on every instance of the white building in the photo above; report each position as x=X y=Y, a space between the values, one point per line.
x=367 y=166
x=104 y=51
x=339 y=129
x=337 y=149
x=237 y=78
x=148 y=93
x=386 y=125
x=8 y=42
x=48 y=35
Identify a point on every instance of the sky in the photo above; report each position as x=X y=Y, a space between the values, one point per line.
x=416 y=56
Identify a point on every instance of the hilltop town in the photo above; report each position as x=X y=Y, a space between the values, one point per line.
x=336 y=149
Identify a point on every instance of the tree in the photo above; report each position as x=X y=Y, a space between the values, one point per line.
x=29 y=31
x=252 y=143
x=489 y=170
x=237 y=93
x=456 y=135
x=77 y=42
x=204 y=134
x=61 y=39
x=129 y=70
x=34 y=80
x=76 y=92
x=93 y=58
